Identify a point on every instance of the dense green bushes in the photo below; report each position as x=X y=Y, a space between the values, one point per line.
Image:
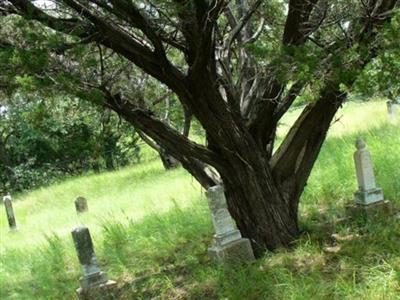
x=41 y=141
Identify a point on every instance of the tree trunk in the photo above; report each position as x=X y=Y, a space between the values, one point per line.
x=257 y=205
x=263 y=195
x=169 y=162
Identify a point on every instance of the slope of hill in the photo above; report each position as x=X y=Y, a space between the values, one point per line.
x=151 y=230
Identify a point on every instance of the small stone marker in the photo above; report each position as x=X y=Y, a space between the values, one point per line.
x=10 y=212
x=393 y=108
x=389 y=105
x=81 y=204
x=228 y=244
x=368 y=192
x=94 y=283
x=369 y=199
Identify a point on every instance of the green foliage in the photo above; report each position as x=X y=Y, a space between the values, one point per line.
x=46 y=139
x=381 y=76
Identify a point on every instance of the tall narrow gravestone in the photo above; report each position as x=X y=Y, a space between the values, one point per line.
x=367 y=192
x=368 y=198
x=81 y=204
x=228 y=244
x=389 y=105
x=94 y=283
x=393 y=108
x=10 y=213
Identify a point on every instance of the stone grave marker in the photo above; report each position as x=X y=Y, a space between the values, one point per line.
x=367 y=192
x=10 y=212
x=393 y=108
x=81 y=204
x=369 y=197
x=228 y=244
x=94 y=283
x=389 y=105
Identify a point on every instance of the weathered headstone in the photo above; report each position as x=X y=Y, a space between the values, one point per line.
x=393 y=108
x=369 y=199
x=367 y=192
x=94 y=283
x=81 y=204
x=10 y=212
x=389 y=105
x=228 y=244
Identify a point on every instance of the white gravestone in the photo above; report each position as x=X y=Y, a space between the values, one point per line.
x=228 y=243
x=368 y=192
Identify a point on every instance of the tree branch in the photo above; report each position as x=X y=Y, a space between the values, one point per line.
x=174 y=142
x=110 y=36
x=295 y=26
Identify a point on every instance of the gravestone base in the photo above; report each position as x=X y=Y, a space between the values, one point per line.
x=369 y=197
x=103 y=291
x=382 y=208
x=13 y=229
x=94 y=279
x=239 y=250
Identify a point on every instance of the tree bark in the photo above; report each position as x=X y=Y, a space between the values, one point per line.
x=169 y=162
x=260 y=211
x=263 y=195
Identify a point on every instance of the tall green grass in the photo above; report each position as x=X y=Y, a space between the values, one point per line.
x=151 y=230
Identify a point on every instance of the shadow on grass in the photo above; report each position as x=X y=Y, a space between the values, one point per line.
x=165 y=257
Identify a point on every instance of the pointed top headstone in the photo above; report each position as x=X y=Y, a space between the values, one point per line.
x=228 y=243
x=368 y=192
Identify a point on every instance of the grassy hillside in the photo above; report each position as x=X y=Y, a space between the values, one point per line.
x=151 y=230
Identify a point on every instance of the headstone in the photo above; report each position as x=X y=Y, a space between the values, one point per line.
x=369 y=200
x=367 y=193
x=393 y=108
x=228 y=244
x=94 y=283
x=389 y=105
x=81 y=204
x=10 y=213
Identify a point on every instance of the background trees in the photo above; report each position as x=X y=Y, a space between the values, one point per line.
x=236 y=66
x=44 y=139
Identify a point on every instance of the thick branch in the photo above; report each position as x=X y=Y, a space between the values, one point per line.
x=293 y=161
x=173 y=141
x=241 y=24
x=295 y=26
x=148 y=140
x=110 y=36
x=70 y=26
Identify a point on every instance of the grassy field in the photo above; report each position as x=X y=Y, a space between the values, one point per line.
x=151 y=231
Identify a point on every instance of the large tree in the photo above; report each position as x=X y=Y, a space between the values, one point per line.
x=237 y=67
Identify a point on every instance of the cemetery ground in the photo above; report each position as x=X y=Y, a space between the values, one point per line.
x=151 y=230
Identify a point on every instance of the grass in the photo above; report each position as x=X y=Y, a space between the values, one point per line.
x=151 y=231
